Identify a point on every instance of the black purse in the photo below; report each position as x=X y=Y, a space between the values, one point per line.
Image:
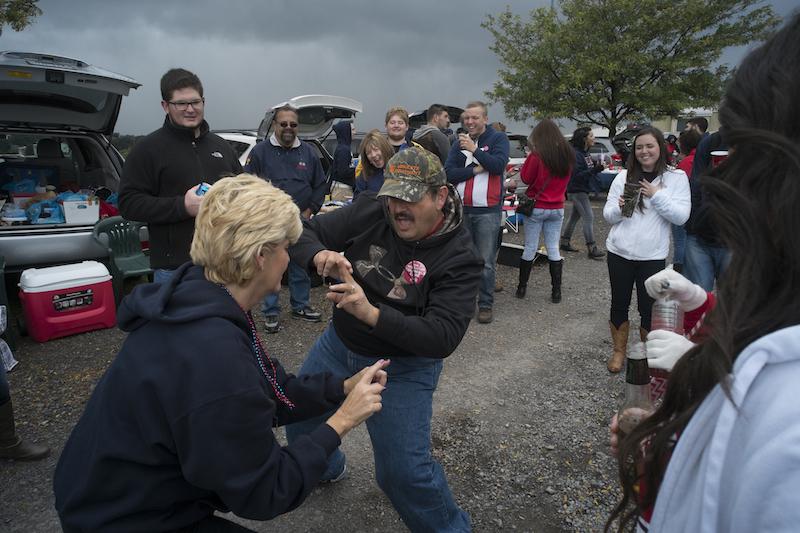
x=526 y=204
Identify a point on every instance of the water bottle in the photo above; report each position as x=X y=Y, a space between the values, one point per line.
x=667 y=315
x=637 y=405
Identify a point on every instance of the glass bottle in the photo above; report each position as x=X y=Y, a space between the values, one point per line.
x=637 y=405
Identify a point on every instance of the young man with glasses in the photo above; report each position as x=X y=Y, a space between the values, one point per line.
x=293 y=166
x=163 y=171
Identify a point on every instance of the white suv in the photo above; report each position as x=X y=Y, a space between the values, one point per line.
x=56 y=118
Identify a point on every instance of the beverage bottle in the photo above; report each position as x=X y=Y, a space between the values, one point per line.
x=637 y=404
x=667 y=315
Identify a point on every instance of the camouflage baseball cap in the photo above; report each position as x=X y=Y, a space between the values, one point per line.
x=410 y=173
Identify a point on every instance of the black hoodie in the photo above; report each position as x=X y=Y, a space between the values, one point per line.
x=181 y=423
x=425 y=290
x=342 y=157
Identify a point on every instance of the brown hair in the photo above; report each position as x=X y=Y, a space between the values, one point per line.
x=554 y=150
x=399 y=111
x=378 y=140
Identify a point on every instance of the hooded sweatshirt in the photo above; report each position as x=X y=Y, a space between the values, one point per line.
x=736 y=467
x=343 y=171
x=181 y=423
x=438 y=137
x=425 y=289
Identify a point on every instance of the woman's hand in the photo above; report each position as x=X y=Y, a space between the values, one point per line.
x=380 y=376
x=363 y=401
x=613 y=436
x=648 y=188
x=350 y=297
x=621 y=202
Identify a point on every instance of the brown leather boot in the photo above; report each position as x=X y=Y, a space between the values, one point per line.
x=643 y=334
x=619 y=337
x=13 y=447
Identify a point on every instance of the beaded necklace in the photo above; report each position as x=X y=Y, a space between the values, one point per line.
x=261 y=355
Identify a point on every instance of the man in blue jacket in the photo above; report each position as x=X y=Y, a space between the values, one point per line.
x=291 y=165
x=475 y=165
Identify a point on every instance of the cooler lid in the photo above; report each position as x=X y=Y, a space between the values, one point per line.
x=53 y=278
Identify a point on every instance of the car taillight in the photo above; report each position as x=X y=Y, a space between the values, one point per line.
x=616 y=160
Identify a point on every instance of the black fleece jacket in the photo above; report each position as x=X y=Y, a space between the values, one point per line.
x=158 y=172
x=425 y=290
x=181 y=423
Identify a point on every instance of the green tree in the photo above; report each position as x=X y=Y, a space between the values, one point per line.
x=607 y=61
x=18 y=13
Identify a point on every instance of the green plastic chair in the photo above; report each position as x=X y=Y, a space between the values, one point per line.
x=125 y=257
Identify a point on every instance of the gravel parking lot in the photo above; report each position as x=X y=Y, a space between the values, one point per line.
x=519 y=423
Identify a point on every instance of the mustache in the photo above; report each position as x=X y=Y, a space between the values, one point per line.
x=404 y=216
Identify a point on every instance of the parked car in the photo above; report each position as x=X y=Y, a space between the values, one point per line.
x=56 y=118
x=242 y=141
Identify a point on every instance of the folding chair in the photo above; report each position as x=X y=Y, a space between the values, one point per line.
x=510 y=210
x=125 y=257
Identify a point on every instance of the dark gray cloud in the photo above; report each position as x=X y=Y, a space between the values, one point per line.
x=252 y=54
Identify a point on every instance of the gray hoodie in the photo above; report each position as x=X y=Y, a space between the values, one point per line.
x=440 y=141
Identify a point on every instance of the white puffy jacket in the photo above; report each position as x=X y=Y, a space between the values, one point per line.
x=645 y=235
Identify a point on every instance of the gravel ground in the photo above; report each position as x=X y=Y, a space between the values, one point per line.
x=519 y=420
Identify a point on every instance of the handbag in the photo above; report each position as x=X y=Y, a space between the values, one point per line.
x=526 y=204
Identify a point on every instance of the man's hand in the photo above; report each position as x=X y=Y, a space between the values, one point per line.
x=670 y=284
x=191 y=201
x=306 y=214
x=350 y=297
x=332 y=264
x=465 y=142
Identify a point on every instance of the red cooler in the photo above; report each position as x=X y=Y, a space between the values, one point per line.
x=68 y=299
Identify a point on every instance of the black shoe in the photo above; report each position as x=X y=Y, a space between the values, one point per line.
x=567 y=246
x=307 y=313
x=521 y=290
x=271 y=324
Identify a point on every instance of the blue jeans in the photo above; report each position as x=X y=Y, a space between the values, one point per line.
x=400 y=433
x=160 y=275
x=484 y=228
x=703 y=263
x=678 y=244
x=299 y=291
x=547 y=221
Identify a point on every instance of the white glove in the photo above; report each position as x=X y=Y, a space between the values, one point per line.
x=664 y=348
x=670 y=284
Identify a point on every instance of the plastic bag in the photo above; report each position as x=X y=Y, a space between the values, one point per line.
x=25 y=185
x=48 y=212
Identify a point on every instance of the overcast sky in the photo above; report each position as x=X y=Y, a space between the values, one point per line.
x=252 y=54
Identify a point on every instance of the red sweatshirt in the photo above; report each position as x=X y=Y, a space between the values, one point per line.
x=535 y=175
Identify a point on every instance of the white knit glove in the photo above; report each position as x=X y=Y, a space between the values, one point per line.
x=664 y=348
x=670 y=284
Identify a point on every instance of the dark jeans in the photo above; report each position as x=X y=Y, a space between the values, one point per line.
x=581 y=209
x=623 y=273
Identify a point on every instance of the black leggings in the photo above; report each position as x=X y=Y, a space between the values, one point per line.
x=623 y=273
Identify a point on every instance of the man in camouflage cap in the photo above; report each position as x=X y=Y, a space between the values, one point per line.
x=409 y=277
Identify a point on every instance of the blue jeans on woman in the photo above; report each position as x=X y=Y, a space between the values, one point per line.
x=400 y=433
x=547 y=221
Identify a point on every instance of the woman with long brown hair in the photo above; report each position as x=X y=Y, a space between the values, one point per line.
x=731 y=402
x=546 y=172
x=638 y=242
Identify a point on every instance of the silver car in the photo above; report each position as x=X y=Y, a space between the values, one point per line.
x=56 y=117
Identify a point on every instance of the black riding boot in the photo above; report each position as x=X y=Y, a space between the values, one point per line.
x=555 y=278
x=524 y=274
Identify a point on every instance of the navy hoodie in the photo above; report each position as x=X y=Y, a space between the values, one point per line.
x=343 y=172
x=181 y=423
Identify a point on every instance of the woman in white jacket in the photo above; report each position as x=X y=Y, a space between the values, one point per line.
x=731 y=401
x=638 y=244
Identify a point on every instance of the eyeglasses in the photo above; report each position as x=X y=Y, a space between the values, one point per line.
x=183 y=106
x=286 y=124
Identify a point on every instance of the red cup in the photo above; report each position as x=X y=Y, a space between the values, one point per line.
x=717 y=157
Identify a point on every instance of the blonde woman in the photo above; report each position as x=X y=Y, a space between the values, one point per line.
x=180 y=425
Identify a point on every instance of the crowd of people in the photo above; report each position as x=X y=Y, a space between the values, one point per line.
x=410 y=262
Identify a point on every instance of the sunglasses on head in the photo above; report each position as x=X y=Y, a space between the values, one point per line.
x=286 y=124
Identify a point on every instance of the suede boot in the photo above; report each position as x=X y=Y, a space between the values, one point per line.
x=643 y=334
x=11 y=446
x=593 y=252
x=566 y=246
x=524 y=275
x=619 y=337
x=556 y=268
